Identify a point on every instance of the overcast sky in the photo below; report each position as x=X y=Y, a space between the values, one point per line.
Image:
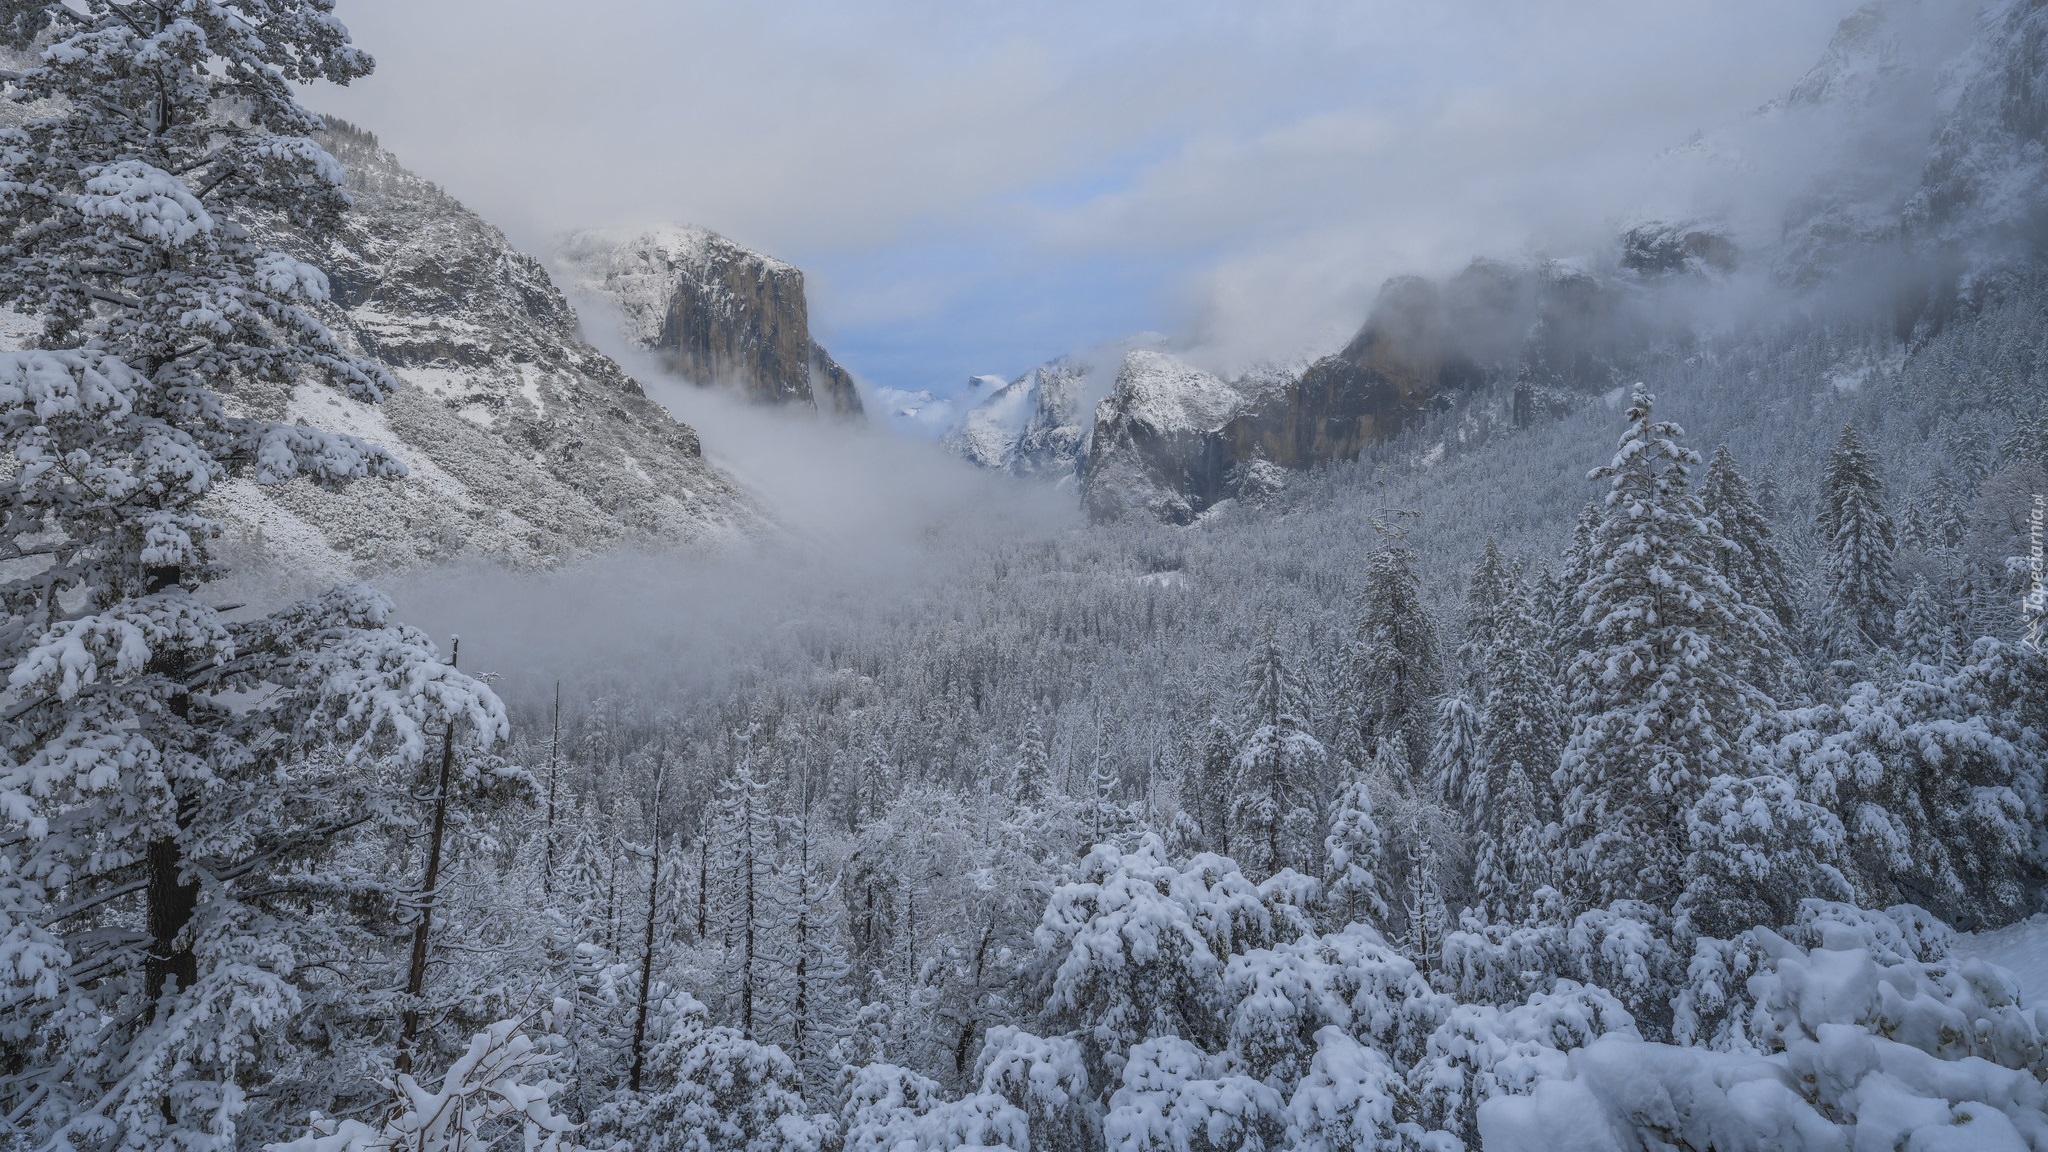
x=974 y=186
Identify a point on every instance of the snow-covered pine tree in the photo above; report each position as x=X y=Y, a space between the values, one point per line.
x=745 y=837
x=815 y=963
x=1512 y=859
x=1356 y=852
x=1859 y=540
x=1751 y=560
x=1657 y=699
x=1211 y=801
x=1522 y=721
x=1031 y=775
x=1568 y=632
x=176 y=780
x=1272 y=805
x=1925 y=631
x=1457 y=769
x=1397 y=669
x=1491 y=580
x=1428 y=918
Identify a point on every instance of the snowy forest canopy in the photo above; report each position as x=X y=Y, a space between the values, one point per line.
x=1452 y=797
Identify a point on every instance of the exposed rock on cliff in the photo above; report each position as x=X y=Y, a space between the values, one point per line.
x=525 y=444
x=1031 y=426
x=1175 y=440
x=1160 y=443
x=714 y=312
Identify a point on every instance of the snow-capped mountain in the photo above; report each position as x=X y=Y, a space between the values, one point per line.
x=713 y=311
x=1031 y=426
x=525 y=444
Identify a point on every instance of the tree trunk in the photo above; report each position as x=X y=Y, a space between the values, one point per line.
x=647 y=942
x=703 y=880
x=171 y=900
x=747 y=970
x=416 y=970
x=547 y=868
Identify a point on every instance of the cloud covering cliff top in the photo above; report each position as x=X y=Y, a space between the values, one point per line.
x=973 y=186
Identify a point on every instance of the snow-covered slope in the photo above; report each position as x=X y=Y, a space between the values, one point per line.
x=716 y=313
x=1031 y=426
x=526 y=444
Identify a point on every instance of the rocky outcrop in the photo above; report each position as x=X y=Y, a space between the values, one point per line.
x=525 y=444
x=1659 y=249
x=832 y=387
x=714 y=313
x=1159 y=445
x=1031 y=426
x=1175 y=441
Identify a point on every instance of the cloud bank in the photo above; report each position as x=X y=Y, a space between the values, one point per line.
x=974 y=186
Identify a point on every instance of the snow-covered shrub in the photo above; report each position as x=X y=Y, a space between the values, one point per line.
x=1866 y=1036
x=892 y=1109
x=1045 y=1078
x=1756 y=847
x=1283 y=997
x=1135 y=948
x=1481 y=1051
x=1176 y=1098
x=497 y=1090
x=709 y=1089
x=1353 y=1100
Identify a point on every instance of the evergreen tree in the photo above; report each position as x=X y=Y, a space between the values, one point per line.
x=180 y=786
x=746 y=838
x=1031 y=776
x=1925 y=633
x=1356 y=853
x=1491 y=579
x=1569 y=633
x=1428 y=918
x=1751 y=560
x=1859 y=539
x=1523 y=722
x=1457 y=770
x=1397 y=670
x=1657 y=699
x=1512 y=860
x=1211 y=801
x=1272 y=807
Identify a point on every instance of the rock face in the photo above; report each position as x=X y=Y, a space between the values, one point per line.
x=1030 y=426
x=1983 y=200
x=1174 y=441
x=714 y=312
x=525 y=444
x=1162 y=443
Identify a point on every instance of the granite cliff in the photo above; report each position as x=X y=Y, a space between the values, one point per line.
x=713 y=312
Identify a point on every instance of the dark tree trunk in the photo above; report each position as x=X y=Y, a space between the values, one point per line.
x=647 y=942
x=171 y=900
x=416 y=970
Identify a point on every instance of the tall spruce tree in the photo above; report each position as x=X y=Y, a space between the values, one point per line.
x=1658 y=697
x=1752 y=560
x=1397 y=667
x=1278 y=760
x=1859 y=540
x=1491 y=578
x=176 y=782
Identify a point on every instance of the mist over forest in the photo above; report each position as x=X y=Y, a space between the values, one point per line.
x=1495 y=604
